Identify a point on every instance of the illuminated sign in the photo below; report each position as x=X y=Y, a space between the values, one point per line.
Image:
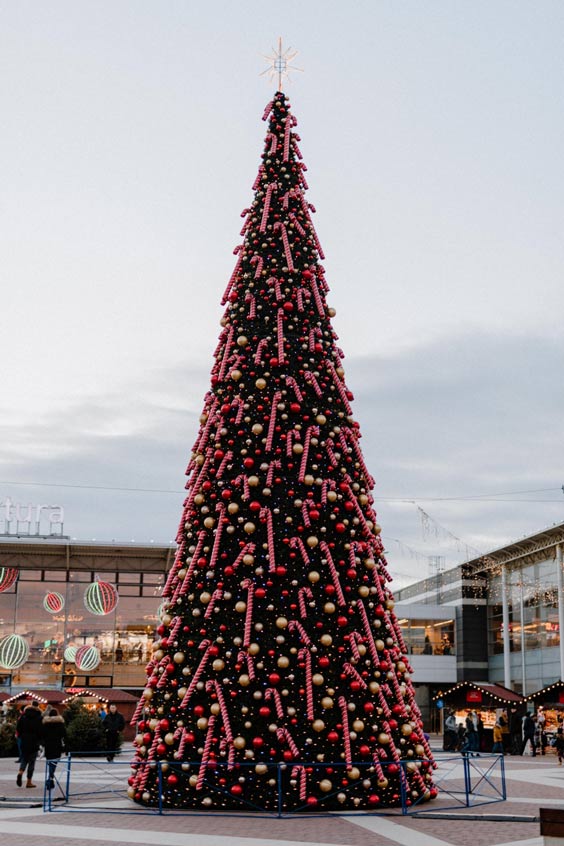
x=18 y=519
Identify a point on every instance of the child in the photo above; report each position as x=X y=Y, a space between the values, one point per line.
x=559 y=744
x=497 y=747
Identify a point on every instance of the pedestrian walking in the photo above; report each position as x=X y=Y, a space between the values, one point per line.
x=529 y=730
x=54 y=736
x=471 y=746
x=450 y=733
x=559 y=745
x=541 y=730
x=516 y=732
x=113 y=724
x=29 y=729
x=497 y=747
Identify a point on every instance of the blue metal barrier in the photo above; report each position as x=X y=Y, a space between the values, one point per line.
x=95 y=786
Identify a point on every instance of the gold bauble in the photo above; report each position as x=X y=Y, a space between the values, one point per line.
x=382 y=783
x=297 y=449
x=257 y=429
x=312 y=541
x=325 y=785
x=283 y=661
x=261 y=384
x=202 y=723
x=326 y=639
x=249 y=528
x=254 y=649
x=218 y=665
x=331 y=496
x=358 y=725
x=233 y=508
x=313 y=576
x=318 y=725
x=244 y=680
x=209 y=522
x=242 y=341
x=321 y=419
x=248 y=559
x=317 y=679
x=353 y=773
x=178 y=657
x=379 y=644
x=383 y=738
x=205 y=597
x=281 y=622
x=169 y=738
x=236 y=375
x=239 y=742
x=240 y=607
x=327 y=702
x=253 y=481
x=329 y=608
x=261 y=769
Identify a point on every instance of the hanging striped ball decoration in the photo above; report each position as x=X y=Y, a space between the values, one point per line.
x=8 y=576
x=70 y=654
x=100 y=598
x=54 y=602
x=87 y=658
x=14 y=652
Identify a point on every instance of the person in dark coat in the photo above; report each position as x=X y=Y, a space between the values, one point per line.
x=113 y=724
x=529 y=733
x=29 y=728
x=54 y=736
x=516 y=732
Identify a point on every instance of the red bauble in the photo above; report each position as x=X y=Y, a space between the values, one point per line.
x=311 y=802
x=373 y=800
x=172 y=779
x=340 y=528
x=236 y=789
x=161 y=749
x=332 y=737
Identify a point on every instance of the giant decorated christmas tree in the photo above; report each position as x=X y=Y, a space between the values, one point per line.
x=279 y=677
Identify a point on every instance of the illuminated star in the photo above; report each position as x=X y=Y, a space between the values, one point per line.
x=279 y=64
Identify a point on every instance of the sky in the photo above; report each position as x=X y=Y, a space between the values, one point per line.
x=432 y=131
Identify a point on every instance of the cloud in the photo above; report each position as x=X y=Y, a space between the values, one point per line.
x=468 y=415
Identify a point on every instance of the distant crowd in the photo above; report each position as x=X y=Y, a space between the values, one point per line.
x=518 y=734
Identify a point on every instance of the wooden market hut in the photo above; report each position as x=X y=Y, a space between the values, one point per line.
x=551 y=700
x=46 y=698
x=98 y=697
x=488 y=700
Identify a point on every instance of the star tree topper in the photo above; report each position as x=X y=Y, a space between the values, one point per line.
x=280 y=64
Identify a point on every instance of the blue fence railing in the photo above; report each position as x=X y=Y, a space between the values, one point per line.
x=85 y=783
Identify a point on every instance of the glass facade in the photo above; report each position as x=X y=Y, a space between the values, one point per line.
x=532 y=598
x=123 y=637
x=428 y=637
x=534 y=631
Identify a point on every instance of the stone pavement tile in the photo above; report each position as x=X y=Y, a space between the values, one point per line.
x=474 y=832
x=307 y=829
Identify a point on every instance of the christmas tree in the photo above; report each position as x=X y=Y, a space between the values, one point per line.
x=277 y=641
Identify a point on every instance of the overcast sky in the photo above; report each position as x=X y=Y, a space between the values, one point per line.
x=433 y=134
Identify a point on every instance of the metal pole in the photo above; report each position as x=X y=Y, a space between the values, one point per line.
x=522 y=615
x=506 y=632
x=559 y=581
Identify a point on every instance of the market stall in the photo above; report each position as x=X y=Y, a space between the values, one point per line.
x=489 y=701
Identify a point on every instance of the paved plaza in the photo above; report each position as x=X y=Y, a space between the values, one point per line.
x=95 y=814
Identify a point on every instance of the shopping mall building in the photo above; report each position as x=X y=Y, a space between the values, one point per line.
x=495 y=619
